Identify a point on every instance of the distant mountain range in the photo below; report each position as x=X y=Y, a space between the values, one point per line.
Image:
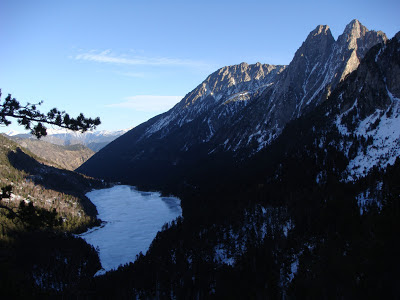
x=240 y=110
x=94 y=140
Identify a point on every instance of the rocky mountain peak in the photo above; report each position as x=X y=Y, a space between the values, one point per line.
x=314 y=51
x=352 y=45
x=357 y=36
x=320 y=34
x=234 y=84
x=318 y=42
x=228 y=79
x=354 y=30
x=317 y=67
x=321 y=29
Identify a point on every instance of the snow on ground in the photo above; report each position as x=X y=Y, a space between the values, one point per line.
x=386 y=140
x=256 y=226
x=367 y=198
x=222 y=256
x=293 y=268
x=386 y=143
x=131 y=222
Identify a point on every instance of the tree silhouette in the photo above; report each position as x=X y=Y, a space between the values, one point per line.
x=30 y=117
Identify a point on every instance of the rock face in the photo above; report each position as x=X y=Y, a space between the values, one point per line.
x=66 y=157
x=352 y=46
x=218 y=98
x=238 y=109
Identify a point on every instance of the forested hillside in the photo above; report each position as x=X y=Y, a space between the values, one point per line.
x=40 y=208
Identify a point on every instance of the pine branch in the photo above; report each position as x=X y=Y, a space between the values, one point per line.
x=32 y=119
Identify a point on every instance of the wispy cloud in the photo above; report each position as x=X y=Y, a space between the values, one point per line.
x=108 y=57
x=132 y=74
x=148 y=103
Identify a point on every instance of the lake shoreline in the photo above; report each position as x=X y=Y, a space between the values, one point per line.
x=130 y=220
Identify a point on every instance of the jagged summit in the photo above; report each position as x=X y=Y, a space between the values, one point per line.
x=355 y=26
x=321 y=29
x=229 y=86
x=356 y=33
x=234 y=75
x=320 y=36
x=353 y=44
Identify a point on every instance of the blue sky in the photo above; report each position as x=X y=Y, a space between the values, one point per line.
x=126 y=61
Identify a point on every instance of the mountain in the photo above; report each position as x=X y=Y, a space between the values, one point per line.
x=367 y=106
x=93 y=140
x=236 y=112
x=298 y=219
x=359 y=121
x=67 y=157
x=317 y=67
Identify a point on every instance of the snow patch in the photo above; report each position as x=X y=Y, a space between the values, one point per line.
x=384 y=129
x=386 y=142
x=367 y=198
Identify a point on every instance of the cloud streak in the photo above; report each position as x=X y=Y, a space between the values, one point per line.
x=148 y=103
x=108 y=57
x=132 y=74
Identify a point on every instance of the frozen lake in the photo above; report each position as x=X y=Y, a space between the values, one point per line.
x=132 y=219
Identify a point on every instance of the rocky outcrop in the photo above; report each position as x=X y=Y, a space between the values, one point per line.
x=351 y=47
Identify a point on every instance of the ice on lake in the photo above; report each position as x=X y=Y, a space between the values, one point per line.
x=132 y=219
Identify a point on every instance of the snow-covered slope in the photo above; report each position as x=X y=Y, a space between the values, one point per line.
x=385 y=147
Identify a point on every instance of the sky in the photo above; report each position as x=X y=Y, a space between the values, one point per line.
x=127 y=61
